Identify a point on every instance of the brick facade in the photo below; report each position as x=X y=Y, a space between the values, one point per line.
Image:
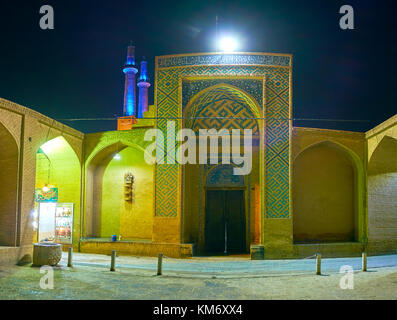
x=23 y=131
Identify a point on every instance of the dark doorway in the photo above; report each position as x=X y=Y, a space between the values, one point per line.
x=225 y=222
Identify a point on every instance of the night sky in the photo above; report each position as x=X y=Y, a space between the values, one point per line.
x=74 y=71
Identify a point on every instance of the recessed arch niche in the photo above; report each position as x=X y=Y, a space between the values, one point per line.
x=326 y=191
x=221 y=106
x=8 y=187
x=107 y=210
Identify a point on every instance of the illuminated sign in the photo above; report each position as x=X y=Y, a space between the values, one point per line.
x=125 y=123
x=46 y=196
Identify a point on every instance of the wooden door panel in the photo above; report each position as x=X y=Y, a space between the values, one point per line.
x=215 y=221
x=234 y=208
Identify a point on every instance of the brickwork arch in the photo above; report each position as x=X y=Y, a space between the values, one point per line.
x=9 y=160
x=382 y=194
x=106 y=211
x=327 y=188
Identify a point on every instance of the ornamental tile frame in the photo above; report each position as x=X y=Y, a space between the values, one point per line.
x=194 y=102
x=275 y=122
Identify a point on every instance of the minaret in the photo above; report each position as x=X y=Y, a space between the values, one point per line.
x=130 y=81
x=143 y=85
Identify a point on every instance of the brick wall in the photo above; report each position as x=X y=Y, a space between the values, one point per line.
x=22 y=131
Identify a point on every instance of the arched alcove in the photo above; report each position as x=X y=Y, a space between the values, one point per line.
x=108 y=211
x=218 y=107
x=58 y=187
x=8 y=187
x=325 y=194
x=382 y=191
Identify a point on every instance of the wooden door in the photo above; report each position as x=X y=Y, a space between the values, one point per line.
x=225 y=222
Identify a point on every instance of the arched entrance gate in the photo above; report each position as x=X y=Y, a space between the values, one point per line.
x=215 y=199
x=232 y=91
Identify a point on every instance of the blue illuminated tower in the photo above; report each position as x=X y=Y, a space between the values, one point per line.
x=130 y=81
x=143 y=85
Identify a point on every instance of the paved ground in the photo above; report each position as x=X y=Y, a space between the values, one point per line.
x=218 y=278
x=235 y=266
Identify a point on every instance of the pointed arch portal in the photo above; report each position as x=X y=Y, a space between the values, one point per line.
x=219 y=219
x=108 y=209
x=57 y=193
x=218 y=90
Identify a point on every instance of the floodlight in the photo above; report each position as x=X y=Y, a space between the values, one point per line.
x=228 y=44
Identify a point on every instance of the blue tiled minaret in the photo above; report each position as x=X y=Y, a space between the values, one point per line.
x=143 y=85
x=130 y=83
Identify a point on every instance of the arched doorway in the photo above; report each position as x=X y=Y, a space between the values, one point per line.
x=325 y=195
x=382 y=194
x=8 y=187
x=57 y=193
x=218 y=215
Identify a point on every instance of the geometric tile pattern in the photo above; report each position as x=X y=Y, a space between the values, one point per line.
x=222 y=176
x=229 y=110
x=167 y=196
x=209 y=118
x=223 y=59
x=169 y=76
x=277 y=145
x=190 y=87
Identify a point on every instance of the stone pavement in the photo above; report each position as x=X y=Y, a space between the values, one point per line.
x=201 y=278
x=89 y=282
x=229 y=266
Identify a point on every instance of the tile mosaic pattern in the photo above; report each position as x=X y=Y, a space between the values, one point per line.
x=236 y=109
x=277 y=114
x=254 y=87
x=222 y=176
x=224 y=59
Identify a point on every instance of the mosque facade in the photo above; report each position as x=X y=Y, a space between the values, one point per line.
x=308 y=190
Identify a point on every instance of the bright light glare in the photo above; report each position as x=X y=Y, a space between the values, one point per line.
x=53 y=145
x=45 y=188
x=228 y=44
x=117 y=156
x=35 y=214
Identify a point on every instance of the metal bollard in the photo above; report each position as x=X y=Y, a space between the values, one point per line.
x=160 y=264
x=318 y=269
x=113 y=262
x=364 y=261
x=70 y=256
